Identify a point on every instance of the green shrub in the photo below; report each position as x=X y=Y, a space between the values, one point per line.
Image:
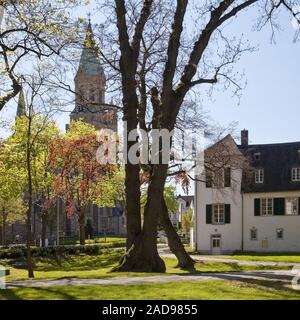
x=20 y=251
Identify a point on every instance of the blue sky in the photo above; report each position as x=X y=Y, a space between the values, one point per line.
x=270 y=104
x=269 y=107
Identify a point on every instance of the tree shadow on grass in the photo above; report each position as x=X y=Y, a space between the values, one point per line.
x=35 y=294
x=282 y=287
x=9 y=294
x=77 y=263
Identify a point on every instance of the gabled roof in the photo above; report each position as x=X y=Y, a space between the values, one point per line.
x=223 y=153
x=186 y=198
x=227 y=143
x=277 y=160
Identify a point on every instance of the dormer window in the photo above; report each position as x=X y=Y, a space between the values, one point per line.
x=296 y=174
x=259 y=176
x=79 y=108
x=257 y=156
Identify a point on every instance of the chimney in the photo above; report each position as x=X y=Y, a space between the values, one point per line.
x=244 y=138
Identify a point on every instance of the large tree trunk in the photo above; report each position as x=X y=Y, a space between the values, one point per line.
x=143 y=255
x=175 y=244
x=132 y=209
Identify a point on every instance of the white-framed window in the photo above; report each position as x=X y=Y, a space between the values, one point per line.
x=216 y=242
x=296 y=174
x=253 y=233
x=259 y=176
x=266 y=206
x=279 y=233
x=218 y=213
x=291 y=206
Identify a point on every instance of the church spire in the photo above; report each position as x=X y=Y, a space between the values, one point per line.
x=90 y=60
x=90 y=85
x=89 y=41
x=21 y=110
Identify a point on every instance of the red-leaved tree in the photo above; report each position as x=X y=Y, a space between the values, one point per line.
x=78 y=175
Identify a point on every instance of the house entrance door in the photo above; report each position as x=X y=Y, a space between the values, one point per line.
x=216 y=244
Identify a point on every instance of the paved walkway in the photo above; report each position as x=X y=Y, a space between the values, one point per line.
x=274 y=275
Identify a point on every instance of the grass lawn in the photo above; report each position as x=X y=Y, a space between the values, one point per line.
x=98 y=266
x=121 y=241
x=211 y=289
x=111 y=239
x=271 y=256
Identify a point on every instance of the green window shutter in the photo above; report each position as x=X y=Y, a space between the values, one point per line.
x=208 y=214
x=257 y=207
x=279 y=206
x=227 y=177
x=227 y=213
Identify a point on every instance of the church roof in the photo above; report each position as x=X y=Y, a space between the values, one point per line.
x=21 y=110
x=90 y=61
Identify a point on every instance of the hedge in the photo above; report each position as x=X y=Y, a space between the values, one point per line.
x=20 y=251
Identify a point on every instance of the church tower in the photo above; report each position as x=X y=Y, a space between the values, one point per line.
x=21 y=109
x=90 y=83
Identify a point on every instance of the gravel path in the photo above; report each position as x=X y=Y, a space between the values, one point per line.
x=275 y=275
x=272 y=275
